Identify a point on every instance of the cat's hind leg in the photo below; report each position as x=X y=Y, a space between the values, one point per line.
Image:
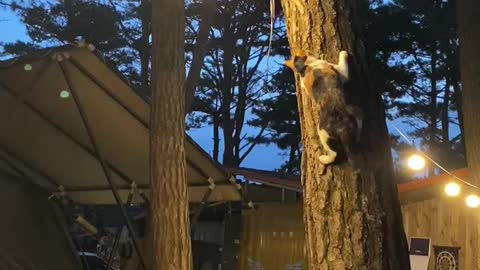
x=330 y=155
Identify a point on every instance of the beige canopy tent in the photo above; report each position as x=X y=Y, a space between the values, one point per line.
x=48 y=102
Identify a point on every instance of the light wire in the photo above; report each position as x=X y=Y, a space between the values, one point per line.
x=433 y=161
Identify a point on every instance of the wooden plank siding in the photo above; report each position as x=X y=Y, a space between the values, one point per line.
x=448 y=222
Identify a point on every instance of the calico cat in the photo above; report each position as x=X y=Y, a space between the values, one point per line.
x=339 y=123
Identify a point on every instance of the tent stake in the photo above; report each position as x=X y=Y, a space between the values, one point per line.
x=103 y=163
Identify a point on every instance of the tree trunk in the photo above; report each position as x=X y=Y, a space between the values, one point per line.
x=227 y=85
x=144 y=47
x=467 y=16
x=216 y=137
x=433 y=115
x=292 y=158
x=445 y=120
x=352 y=217
x=70 y=20
x=199 y=51
x=169 y=203
x=457 y=98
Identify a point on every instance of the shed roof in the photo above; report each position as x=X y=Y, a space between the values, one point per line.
x=414 y=190
x=44 y=139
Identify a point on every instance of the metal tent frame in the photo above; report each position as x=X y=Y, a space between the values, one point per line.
x=73 y=67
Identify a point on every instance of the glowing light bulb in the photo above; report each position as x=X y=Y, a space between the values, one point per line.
x=416 y=162
x=452 y=189
x=472 y=201
x=27 y=67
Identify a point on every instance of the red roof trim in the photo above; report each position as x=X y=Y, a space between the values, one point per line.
x=267 y=178
x=291 y=182
x=431 y=181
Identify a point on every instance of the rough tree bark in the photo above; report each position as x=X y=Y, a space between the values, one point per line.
x=171 y=248
x=467 y=16
x=352 y=217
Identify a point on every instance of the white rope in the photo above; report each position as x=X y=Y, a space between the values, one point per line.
x=433 y=161
x=272 y=24
x=270 y=39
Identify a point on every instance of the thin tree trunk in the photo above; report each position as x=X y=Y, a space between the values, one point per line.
x=468 y=17
x=241 y=103
x=457 y=98
x=216 y=137
x=352 y=217
x=227 y=85
x=199 y=51
x=433 y=145
x=70 y=19
x=445 y=120
x=170 y=237
x=144 y=48
x=292 y=158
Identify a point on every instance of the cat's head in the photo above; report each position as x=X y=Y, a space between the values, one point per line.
x=315 y=72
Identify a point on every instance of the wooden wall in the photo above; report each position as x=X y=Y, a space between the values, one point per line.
x=448 y=222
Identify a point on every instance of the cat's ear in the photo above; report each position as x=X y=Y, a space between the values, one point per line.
x=289 y=63
x=297 y=64
x=342 y=66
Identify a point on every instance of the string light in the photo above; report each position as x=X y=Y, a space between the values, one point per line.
x=472 y=201
x=416 y=162
x=452 y=189
x=434 y=162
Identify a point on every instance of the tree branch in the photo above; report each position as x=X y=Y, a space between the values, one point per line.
x=254 y=143
x=120 y=23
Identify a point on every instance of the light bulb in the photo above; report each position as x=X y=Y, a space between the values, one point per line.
x=472 y=201
x=452 y=189
x=416 y=162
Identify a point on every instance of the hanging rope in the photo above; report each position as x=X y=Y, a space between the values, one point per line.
x=270 y=40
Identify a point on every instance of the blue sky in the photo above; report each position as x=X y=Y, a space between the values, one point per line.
x=262 y=157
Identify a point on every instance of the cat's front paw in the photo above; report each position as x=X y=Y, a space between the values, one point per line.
x=327 y=159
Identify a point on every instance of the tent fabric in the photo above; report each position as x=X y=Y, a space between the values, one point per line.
x=272 y=237
x=33 y=235
x=44 y=139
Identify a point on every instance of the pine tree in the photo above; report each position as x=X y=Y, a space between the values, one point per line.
x=352 y=218
x=415 y=45
x=171 y=248
x=231 y=81
x=468 y=11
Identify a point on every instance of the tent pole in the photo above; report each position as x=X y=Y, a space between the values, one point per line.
x=117 y=235
x=64 y=203
x=103 y=163
x=62 y=131
x=101 y=86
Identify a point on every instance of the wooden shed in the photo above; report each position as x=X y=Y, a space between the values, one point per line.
x=272 y=235
x=448 y=222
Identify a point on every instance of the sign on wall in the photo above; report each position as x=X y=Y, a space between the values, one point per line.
x=420 y=252
x=446 y=258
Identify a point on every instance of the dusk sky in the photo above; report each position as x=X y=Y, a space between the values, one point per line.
x=262 y=157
